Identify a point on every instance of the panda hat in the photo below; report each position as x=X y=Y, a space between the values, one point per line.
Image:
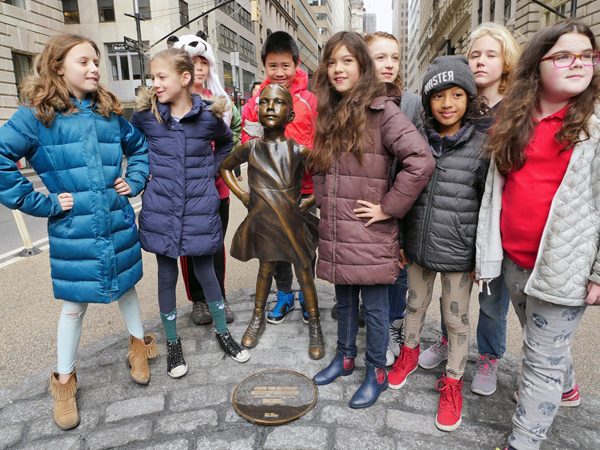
x=196 y=46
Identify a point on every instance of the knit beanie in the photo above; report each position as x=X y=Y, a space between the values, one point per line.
x=445 y=72
x=196 y=46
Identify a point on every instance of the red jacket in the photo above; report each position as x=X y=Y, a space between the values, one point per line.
x=301 y=129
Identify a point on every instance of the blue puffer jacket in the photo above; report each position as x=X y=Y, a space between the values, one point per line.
x=95 y=253
x=180 y=206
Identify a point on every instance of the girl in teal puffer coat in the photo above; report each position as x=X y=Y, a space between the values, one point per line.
x=74 y=135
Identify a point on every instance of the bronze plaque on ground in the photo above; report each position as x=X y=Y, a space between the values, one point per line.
x=274 y=397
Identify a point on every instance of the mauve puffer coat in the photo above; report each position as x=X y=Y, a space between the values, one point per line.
x=180 y=206
x=349 y=252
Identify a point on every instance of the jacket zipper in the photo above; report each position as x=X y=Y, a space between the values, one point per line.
x=428 y=211
x=333 y=220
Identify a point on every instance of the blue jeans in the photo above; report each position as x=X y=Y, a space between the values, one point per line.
x=397 y=296
x=491 y=328
x=376 y=306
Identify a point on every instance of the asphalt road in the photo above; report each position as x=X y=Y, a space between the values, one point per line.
x=30 y=314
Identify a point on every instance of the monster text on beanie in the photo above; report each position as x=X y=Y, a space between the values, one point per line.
x=442 y=77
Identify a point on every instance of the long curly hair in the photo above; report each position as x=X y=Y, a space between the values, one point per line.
x=516 y=119
x=342 y=120
x=372 y=37
x=47 y=91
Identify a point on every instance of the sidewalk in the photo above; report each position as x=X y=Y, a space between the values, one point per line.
x=195 y=412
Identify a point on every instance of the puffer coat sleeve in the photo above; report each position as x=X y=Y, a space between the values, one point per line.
x=18 y=138
x=136 y=150
x=401 y=138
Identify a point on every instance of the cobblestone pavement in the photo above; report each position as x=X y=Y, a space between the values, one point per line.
x=195 y=412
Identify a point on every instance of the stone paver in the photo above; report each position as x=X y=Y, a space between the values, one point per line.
x=195 y=412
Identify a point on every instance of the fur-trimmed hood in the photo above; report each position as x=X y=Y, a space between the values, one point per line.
x=216 y=105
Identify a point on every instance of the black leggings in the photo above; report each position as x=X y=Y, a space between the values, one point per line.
x=192 y=286
x=168 y=272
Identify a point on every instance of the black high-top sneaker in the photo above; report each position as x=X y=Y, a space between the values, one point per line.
x=232 y=348
x=176 y=365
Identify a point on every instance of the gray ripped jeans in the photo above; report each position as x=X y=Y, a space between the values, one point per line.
x=547 y=369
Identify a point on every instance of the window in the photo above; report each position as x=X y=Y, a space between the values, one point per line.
x=507 y=8
x=245 y=19
x=106 y=10
x=136 y=69
x=248 y=81
x=22 y=67
x=227 y=38
x=70 y=11
x=492 y=10
x=184 y=13
x=228 y=9
x=480 y=13
x=17 y=3
x=550 y=18
x=227 y=74
x=144 y=6
x=247 y=48
x=205 y=24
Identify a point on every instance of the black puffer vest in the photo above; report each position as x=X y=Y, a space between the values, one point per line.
x=440 y=228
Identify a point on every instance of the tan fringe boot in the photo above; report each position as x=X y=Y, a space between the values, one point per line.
x=140 y=351
x=66 y=415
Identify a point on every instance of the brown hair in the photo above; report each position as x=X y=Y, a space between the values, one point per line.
x=47 y=92
x=341 y=124
x=181 y=62
x=371 y=37
x=516 y=123
x=510 y=48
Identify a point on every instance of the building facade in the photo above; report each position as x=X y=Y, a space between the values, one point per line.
x=370 y=23
x=400 y=29
x=309 y=39
x=342 y=13
x=357 y=9
x=323 y=10
x=25 y=26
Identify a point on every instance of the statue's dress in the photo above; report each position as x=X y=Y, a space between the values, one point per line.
x=275 y=229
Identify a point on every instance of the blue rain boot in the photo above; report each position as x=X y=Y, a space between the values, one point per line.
x=340 y=366
x=368 y=393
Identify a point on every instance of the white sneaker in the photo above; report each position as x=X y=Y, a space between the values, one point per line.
x=434 y=355
x=396 y=330
x=390 y=359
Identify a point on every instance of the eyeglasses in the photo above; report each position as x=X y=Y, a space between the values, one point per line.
x=564 y=60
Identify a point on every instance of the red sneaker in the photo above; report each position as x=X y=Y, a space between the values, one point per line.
x=449 y=417
x=407 y=363
x=569 y=400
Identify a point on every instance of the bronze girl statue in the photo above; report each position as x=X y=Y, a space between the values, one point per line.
x=278 y=227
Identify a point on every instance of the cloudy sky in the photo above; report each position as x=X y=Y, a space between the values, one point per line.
x=383 y=9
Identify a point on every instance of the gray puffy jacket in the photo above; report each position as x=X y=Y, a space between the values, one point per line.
x=439 y=230
x=568 y=257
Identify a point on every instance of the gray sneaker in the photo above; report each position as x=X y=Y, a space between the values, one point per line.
x=484 y=381
x=396 y=336
x=434 y=355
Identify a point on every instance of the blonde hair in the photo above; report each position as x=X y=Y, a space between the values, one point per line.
x=180 y=62
x=510 y=49
x=47 y=91
x=371 y=37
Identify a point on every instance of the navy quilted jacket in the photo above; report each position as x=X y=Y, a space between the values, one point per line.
x=180 y=206
x=95 y=253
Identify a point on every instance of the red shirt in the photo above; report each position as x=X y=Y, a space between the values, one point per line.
x=528 y=192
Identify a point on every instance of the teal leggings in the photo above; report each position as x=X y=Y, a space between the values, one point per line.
x=69 y=327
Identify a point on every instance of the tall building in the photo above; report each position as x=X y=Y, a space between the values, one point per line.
x=24 y=29
x=370 y=23
x=341 y=15
x=358 y=13
x=400 y=30
x=309 y=39
x=324 y=12
x=413 y=79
